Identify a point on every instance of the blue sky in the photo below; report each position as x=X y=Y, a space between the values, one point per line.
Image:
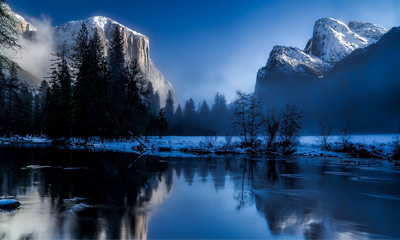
x=207 y=46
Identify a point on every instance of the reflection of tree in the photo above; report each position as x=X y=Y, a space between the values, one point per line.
x=114 y=192
x=245 y=197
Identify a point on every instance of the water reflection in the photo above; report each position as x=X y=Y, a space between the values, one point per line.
x=104 y=195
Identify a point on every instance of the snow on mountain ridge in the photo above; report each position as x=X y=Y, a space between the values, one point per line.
x=332 y=41
x=292 y=60
x=367 y=30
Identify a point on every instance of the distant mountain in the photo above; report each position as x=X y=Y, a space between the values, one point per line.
x=136 y=46
x=332 y=41
x=347 y=76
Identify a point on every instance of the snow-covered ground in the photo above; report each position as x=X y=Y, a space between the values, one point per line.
x=200 y=145
x=26 y=139
x=311 y=145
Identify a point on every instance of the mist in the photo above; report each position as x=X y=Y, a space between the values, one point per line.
x=37 y=48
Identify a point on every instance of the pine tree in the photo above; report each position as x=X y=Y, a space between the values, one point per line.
x=205 y=122
x=24 y=104
x=100 y=84
x=135 y=115
x=39 y=107
x=219 y=107
x=11 y=96
x=162 y=124
x=59 y=108
x=177 y=121
x=80 y=55
x=169 y=106
x=65 y=80
x=220 y=114
x=156 y=102
x=153 y=99
x=189 y=118
x=83 y=107
x=116 y=59
x=190 y=109
x=204 y=109
x=52 y=108
x=119 y=79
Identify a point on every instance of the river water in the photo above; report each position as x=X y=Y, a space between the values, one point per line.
x=84 y=194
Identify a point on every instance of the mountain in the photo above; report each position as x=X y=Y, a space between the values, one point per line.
x=332 y=40
x=347 y=76
x=136 y=46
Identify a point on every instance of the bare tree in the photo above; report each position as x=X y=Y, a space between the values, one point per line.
x=228 y=141
x=325 y=133
x=247 y=117
x=211 y=139
x=290 y=127
x=240 y=122
x=271 y=127
x=345 y=138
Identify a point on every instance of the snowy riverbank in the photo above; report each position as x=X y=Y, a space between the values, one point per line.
x=376 y=146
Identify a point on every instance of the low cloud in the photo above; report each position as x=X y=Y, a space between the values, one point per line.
x=37 y=48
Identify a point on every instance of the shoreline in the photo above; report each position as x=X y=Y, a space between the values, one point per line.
x=373 y=146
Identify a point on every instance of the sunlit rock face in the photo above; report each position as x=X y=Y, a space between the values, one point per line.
x=332 y=41
x=136 y=47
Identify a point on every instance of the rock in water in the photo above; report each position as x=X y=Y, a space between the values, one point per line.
x=9 y=204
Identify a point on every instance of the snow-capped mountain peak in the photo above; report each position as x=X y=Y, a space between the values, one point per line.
x=332 y=40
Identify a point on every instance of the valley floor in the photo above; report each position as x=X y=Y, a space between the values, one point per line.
x=374 y=146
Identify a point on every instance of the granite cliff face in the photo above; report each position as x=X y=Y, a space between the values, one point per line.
x=332 y=40
x=136 y=47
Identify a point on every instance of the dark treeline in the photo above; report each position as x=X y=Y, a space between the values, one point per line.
x=201 y=120
x=16 y=103
x=91 y=95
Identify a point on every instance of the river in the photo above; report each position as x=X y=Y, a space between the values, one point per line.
x=86 y=194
